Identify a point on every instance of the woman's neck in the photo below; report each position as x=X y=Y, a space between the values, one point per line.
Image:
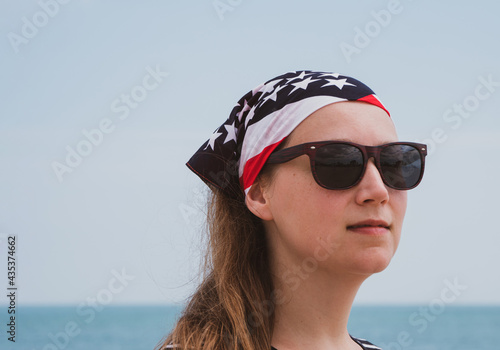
x=312 y=312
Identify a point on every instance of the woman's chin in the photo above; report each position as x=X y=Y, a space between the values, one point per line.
x=369 y=264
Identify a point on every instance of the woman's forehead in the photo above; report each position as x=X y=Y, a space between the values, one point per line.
x=357 y=122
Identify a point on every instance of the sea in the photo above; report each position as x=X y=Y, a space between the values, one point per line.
x=409 y=327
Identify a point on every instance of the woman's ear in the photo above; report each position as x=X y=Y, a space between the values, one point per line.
x=257 y=201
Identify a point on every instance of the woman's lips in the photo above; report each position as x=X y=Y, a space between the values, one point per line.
x=370 y=227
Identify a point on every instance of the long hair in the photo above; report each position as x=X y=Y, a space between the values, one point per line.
x=232 y=308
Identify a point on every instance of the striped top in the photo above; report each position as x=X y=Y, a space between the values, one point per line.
x=365 y=344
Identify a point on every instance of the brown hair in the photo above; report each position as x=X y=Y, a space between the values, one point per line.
x=232 y=308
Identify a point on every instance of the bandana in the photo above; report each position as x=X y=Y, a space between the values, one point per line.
x=236 y=152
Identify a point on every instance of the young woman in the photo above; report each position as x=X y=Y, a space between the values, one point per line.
x=308 y=185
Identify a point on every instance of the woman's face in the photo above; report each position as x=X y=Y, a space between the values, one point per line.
x=315 y=228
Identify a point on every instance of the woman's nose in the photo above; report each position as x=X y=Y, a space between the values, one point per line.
x=371 y=188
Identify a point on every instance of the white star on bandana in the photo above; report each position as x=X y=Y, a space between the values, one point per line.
x=274 y=95
x=270 y=86
x=301 y=76
x=250 y=115
x=340 y=83
x=231 y=133
x=246 y=107
x=335 y=75
x=302 y=84
x=211 y=141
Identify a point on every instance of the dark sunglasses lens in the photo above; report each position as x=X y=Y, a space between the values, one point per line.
x=401 y=166
x=338 y=166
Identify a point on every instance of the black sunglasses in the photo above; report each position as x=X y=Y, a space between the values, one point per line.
x=339 y=165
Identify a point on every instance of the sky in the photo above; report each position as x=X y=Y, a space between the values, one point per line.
x=102 y=103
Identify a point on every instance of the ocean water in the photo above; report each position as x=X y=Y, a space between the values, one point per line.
x=141 y=327
x=428 y=327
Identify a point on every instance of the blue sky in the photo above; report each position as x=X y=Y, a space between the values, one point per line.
x=150 y=81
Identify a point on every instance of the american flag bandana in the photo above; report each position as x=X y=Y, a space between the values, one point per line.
x=236 y=152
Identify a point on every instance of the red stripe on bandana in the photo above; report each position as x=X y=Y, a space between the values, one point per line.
x=254 y=165
x=374 y=101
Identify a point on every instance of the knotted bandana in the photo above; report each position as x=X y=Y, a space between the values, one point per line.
x=236 y=152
